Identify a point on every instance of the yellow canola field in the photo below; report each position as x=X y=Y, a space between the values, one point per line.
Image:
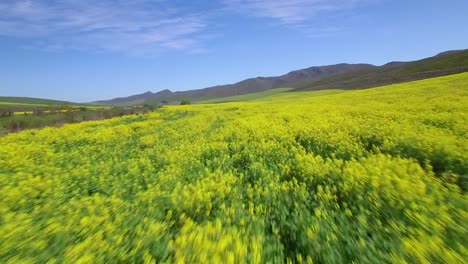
x=371 y=176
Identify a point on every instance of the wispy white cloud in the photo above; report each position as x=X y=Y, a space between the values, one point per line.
x=290 y=11
x=130 y=26
x=147 y=26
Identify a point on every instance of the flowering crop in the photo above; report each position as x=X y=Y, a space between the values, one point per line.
x=371 y=176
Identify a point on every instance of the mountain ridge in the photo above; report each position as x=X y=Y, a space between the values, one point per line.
x=444 y=63
x=336 y=76
x=291 y=79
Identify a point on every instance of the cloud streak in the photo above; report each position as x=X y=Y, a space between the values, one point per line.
x=131 y=26
x=143 y=27
x=291 y=11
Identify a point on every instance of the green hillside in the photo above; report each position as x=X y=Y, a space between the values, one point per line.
x=30 y=100
x=446 y=63
x=247 y=97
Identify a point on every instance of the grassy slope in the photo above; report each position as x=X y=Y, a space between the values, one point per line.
x=247 y=97
x=364 y=176
x=13 y=104
x=6 y=101
x=35 y=101
x=172 y=98
x=297 y=95
x=273 y=95
x=131 y=103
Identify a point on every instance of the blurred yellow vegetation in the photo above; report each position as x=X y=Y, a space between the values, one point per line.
x=370 y=176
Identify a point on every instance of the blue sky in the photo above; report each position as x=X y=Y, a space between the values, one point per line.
x=83 y=50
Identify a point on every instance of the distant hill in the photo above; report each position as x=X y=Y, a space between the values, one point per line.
x=339 y=76
x=292 y=79
x=247 y=97
x=449 y=62
x=30 y=100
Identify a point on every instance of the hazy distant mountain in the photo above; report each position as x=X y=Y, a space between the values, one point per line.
x=136 y=99
x=291 y=79
x=339 y=76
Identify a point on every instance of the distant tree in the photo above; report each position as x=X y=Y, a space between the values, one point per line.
x=6 y=113
x=149 y=107
x=185 y=102
x=38 y=111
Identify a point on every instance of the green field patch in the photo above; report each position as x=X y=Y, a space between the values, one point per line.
x=20 y=104
x=247 y=97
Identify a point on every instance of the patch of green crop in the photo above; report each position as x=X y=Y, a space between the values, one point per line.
x=247 y=97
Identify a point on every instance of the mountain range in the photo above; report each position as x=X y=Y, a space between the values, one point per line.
x=338 y=76
x=252 y=85
x=445 y=63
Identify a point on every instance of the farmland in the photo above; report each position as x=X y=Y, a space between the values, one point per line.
x=368 y=176
x=17 y=113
